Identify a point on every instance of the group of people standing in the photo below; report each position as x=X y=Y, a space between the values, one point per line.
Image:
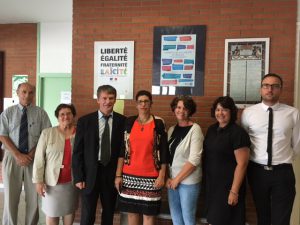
x=108 y=155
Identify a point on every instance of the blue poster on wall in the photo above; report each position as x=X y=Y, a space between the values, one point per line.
x=178 y=60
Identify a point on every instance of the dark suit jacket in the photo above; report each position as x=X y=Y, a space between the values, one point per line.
x=86 y=149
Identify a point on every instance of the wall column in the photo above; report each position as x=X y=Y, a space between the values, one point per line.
x=295 y=218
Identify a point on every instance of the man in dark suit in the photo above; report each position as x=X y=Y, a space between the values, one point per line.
x=94 y=162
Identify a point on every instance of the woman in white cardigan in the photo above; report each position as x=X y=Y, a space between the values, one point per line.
x=185 y=145
x=52 y=168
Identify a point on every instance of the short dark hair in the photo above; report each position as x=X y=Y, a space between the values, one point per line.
x=188 y=103
x=106 y=88
x=273 y=75
x=227 y=103
x=63 y=106
x=143 y=92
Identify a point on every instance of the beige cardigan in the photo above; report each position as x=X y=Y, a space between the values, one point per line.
x=49 y=156
x=188 y=150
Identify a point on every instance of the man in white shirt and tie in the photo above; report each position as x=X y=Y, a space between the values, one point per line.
x=274 y=130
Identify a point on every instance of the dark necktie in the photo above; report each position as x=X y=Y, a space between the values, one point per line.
x=23 y=135
x=105 y=143
x=270 y=127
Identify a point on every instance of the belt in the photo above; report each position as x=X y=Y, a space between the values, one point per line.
x=273 y=167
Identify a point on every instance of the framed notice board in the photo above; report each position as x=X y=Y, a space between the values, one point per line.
x=246 y=62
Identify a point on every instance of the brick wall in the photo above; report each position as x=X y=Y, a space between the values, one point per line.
x=19 y=43
x=120 y=20
x=112 y=20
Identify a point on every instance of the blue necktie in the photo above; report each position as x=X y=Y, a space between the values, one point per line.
x=105 y=143
x=23 y=135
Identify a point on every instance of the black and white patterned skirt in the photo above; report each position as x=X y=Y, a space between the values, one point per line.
x=138 y=195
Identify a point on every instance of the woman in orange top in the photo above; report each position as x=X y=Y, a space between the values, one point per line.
x=142 y=164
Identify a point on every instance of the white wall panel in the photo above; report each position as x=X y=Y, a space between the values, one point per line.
x=56 y=47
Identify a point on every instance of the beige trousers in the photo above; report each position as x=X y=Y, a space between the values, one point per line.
x=13 y=178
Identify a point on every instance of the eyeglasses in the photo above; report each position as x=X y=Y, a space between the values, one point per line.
x=272 y=86
x=146 y=102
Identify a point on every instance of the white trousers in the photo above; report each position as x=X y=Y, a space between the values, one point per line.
x=13 y=178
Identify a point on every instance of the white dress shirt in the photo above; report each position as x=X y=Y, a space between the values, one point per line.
x=286 y=132
x=10 y=121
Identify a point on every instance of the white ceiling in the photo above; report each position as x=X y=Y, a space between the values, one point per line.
x=35 y=11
